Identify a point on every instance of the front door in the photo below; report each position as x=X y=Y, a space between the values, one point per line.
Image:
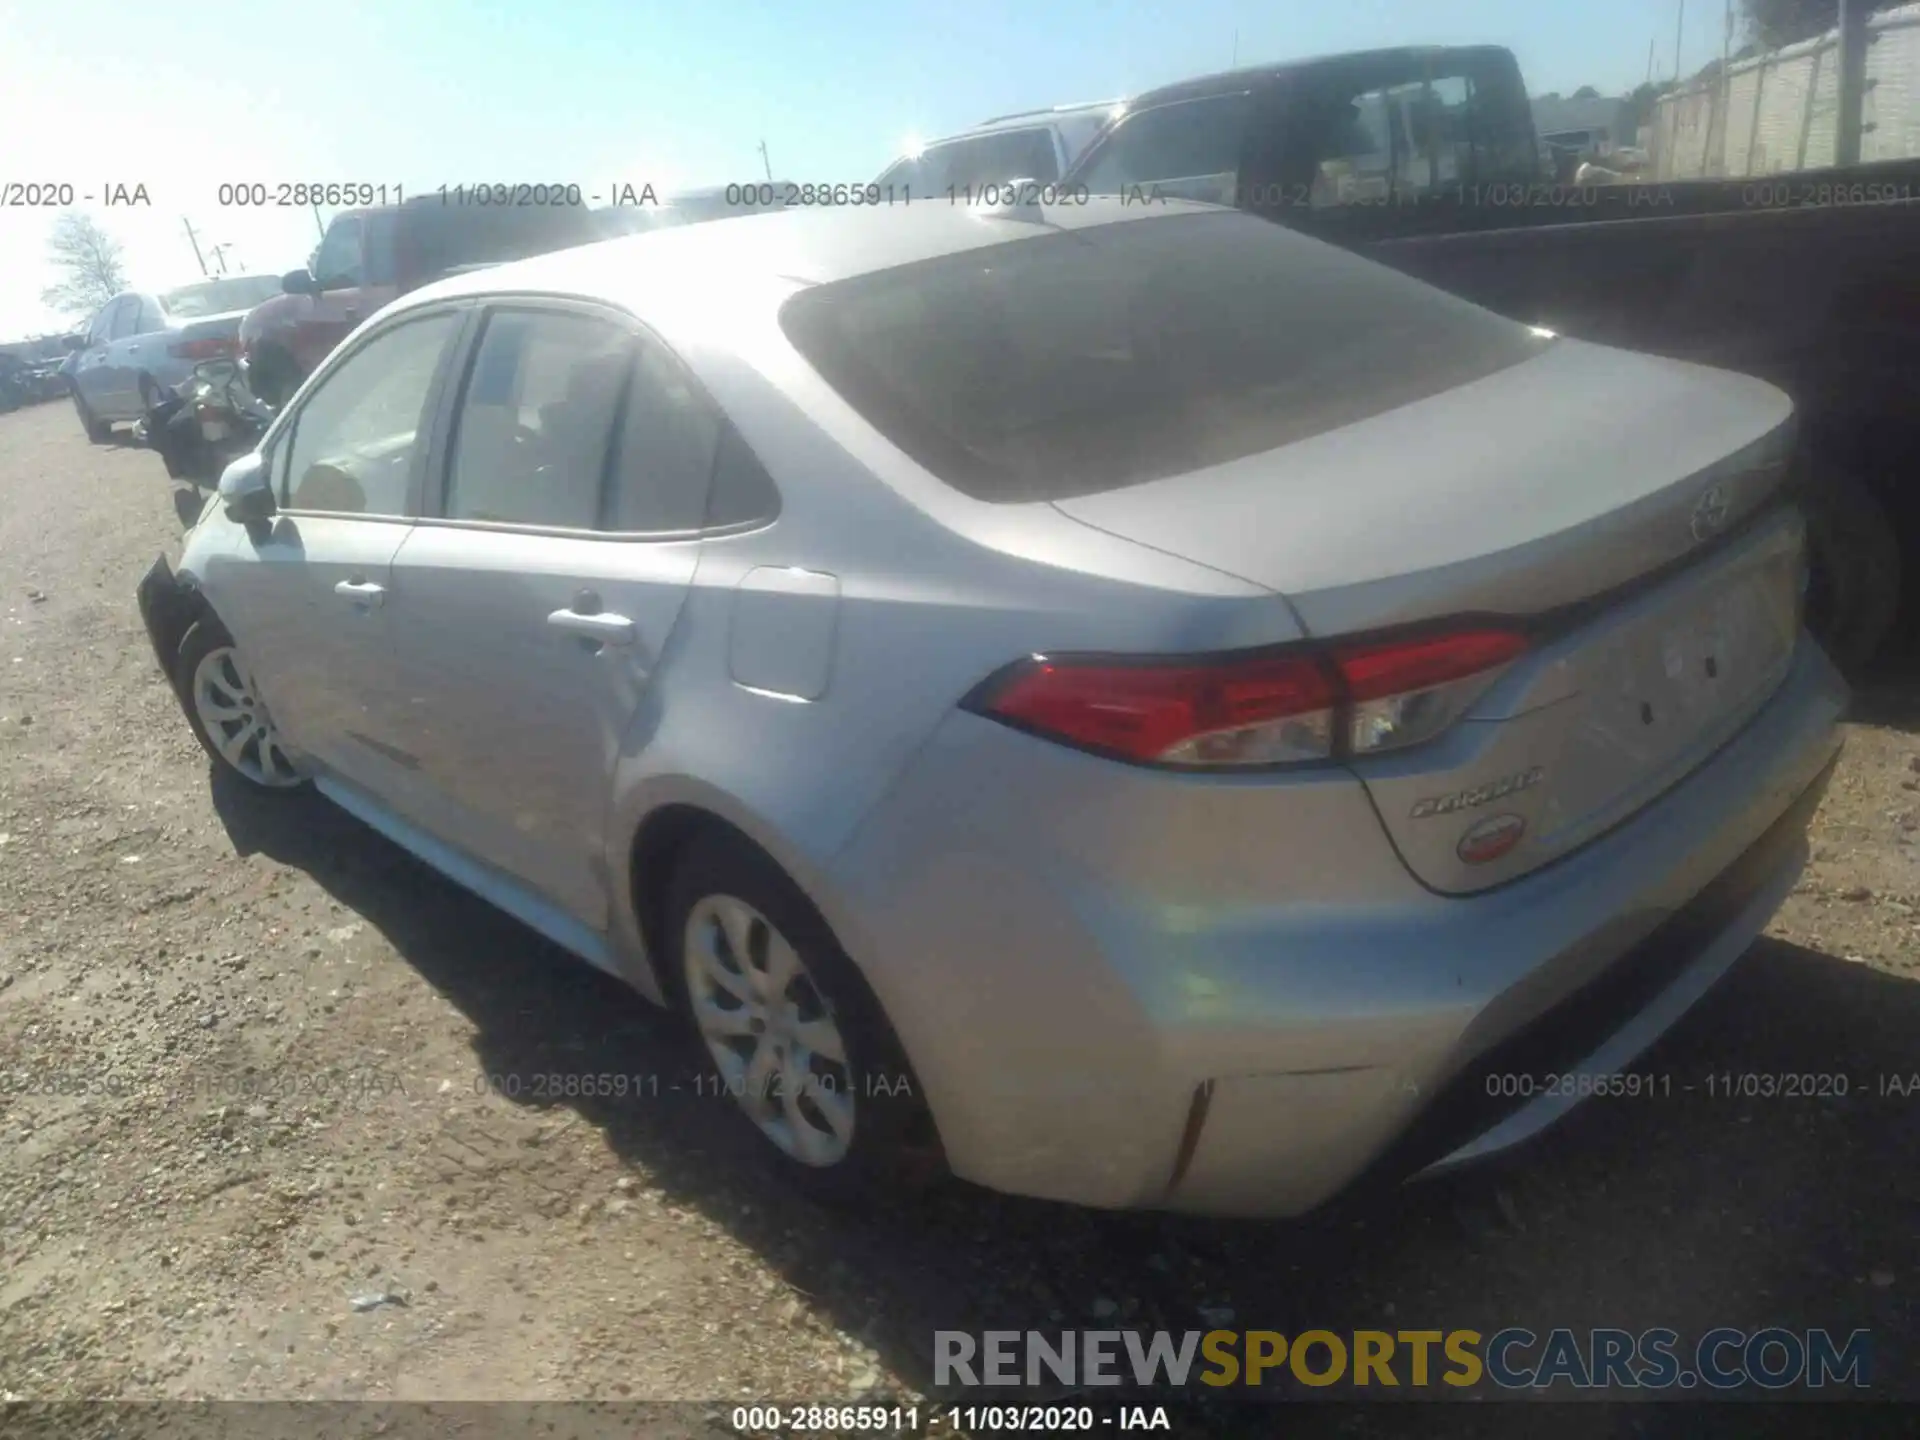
x=308 y=598
x=534 y=603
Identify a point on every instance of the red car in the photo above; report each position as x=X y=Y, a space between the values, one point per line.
x=369 y=257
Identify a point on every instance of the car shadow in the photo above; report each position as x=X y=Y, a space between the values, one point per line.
x=1711 y=1197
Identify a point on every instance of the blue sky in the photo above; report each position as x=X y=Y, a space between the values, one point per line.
x=182 y=97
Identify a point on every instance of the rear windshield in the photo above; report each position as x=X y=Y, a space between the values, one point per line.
x=217 y=297
x=1088 y=360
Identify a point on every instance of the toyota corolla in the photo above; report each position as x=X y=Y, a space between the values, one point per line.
x=1131 y=702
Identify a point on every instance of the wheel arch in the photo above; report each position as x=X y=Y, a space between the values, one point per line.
x=680 y=812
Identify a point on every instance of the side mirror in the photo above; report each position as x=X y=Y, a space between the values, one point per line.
x=246 y=490
x=299 y=282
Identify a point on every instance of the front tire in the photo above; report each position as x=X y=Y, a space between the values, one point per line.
x=800 y=1048
x=225 y=711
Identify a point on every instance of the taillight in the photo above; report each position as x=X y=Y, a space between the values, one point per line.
x=1401 y=692
x=214 y=347
x=1274 y=708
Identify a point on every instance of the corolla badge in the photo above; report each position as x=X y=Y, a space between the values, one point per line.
x=1710 y=511
x=1479 y=795
x=1489 y=839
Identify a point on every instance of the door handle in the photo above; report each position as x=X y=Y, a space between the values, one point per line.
x=607 y=629
x=361 y=592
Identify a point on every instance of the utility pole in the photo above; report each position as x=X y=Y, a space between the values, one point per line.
x=318 y=228
x=1679 y=24
x=1652 y=40
x=219 y=253
x=1852 y=55
x=765 y=163
x=1236 y=50
x=194 y=241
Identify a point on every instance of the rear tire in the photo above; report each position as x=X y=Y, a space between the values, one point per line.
x=1854 y=561
x=799 y=1050
x=98 y=431
x=226 y=713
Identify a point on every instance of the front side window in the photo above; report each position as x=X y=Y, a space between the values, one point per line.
x=337 y=265
x=126 y=317
x=531 y=437
x=356 y=436
x=1186 y=150
x=1069 y=364
x=382 y=265
x=100 y=330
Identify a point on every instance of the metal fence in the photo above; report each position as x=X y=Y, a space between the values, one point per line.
x=1776 y=112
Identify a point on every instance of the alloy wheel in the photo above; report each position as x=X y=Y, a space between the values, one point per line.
x=770 y=1030
x=237 y=721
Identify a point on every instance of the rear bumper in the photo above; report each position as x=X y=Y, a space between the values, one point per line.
x=1098 y=1016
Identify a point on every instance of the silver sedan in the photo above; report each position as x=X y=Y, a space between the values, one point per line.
x=1128 y=702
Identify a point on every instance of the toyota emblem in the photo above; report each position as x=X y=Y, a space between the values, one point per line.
x=1710 y=512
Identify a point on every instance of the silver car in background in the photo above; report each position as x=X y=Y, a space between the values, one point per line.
x=1133 y=702
x=139 y=343
x=1032 y=145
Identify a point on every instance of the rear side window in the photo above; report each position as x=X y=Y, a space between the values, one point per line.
x=665 y=457
x=1088 y=360
x=530 y=443
x=1187 y=150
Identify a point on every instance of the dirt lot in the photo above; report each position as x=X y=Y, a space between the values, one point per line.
x=283 y=1028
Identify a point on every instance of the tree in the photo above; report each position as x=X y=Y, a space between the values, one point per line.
x=88 y=260
x=1586 y=92
x=1781 y=22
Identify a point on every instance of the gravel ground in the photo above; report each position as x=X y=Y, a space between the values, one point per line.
x=249 y=1148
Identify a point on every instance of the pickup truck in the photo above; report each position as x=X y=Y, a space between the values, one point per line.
x=375 y=254
x=1425 y=158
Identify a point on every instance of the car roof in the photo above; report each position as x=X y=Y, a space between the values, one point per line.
x=1031 y=119
x=784 y=248
x=1249 y=77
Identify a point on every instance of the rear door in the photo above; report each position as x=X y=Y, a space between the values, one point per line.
x=143 y=354
x=536 y=598
x=308 y=598
x=91 y=378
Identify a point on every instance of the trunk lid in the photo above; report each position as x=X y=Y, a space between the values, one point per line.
x=1587 y=495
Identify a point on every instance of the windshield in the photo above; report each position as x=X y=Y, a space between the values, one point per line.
x=1091 y=359
x=219 y=297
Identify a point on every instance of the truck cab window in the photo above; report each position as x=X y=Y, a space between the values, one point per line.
x=337 y=263
x=1185 y=150
x=1397 y=143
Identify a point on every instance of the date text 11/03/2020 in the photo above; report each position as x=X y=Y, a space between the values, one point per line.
x=1712 y=1084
